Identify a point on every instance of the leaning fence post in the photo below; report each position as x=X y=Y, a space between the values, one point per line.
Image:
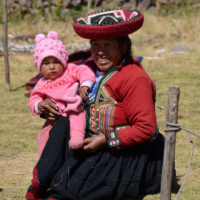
x=170 y=141
x=5 y=44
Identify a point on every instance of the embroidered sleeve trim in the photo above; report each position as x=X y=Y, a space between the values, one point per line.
x=113 y=140
x=154 y=136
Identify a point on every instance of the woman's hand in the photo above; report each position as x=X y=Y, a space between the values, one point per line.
x=51 y=111
x=94 y=143
x=42 y=106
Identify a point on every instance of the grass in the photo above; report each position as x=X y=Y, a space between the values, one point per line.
x=19 y=128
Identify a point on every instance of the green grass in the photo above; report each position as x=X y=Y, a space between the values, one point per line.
x=19 y=127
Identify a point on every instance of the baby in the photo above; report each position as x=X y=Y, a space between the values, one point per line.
x=60 y=83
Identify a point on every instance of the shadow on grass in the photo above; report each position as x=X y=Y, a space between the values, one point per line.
x=141 y=197
x=175 y=189
x=13 y=90
x=176 y=186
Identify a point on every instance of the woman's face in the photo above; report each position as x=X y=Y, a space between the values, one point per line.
x=51 y=68
x=106 y=53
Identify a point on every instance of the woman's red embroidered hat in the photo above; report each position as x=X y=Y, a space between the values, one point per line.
x=108 y=24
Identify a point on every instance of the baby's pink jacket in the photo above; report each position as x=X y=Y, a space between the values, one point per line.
x=63 y=90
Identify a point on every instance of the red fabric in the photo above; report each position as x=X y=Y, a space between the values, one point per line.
x=95 y=32
x=29 y=195
x=51 y=199
x=35 y=184
x=134 y=91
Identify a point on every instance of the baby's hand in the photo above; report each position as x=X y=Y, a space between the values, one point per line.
x=84 y=92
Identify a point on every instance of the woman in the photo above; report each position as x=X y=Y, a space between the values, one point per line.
x=123 y=152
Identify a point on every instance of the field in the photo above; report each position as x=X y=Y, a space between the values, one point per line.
x=19 y=128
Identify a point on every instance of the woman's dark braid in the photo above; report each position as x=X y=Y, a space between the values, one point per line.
x=125 y=40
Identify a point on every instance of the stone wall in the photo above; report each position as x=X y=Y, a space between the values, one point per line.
x=32 y=6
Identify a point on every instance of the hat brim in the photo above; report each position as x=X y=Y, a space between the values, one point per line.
x=108 y=31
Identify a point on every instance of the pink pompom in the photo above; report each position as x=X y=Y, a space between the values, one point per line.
x=39 y=37
x=53 y=35
x=49 y=46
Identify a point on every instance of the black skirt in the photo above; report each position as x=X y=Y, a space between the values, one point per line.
x=65 y=174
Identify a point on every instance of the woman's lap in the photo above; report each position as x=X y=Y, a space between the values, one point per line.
x=104 y=175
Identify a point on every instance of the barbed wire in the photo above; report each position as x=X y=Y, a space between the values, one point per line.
x=179 y=127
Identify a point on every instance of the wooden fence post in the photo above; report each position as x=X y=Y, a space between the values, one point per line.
x=5 y=44
x=170 y=141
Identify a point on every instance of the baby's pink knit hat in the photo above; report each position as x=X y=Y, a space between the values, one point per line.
x=49 y=46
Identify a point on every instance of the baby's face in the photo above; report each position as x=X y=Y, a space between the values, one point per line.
x=51 y=68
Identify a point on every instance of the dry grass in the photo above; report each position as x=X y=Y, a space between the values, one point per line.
x=19 y=128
